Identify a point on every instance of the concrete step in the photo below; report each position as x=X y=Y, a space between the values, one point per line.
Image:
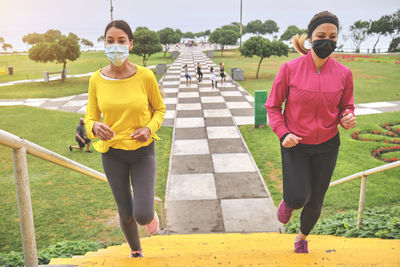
x=251 y=249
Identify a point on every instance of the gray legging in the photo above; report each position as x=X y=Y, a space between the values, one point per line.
x=123 y=167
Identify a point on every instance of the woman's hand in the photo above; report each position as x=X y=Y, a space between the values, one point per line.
x=291 y=140
x=348 y=120
x=142 y=134
x=102 y=131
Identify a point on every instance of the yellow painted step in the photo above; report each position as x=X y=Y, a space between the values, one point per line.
x=256 y=249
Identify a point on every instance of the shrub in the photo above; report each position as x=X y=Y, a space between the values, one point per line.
x=377 y=222
x=64 y=249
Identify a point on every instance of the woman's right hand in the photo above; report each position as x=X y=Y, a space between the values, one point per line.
x=102 y=131
x=291 y=140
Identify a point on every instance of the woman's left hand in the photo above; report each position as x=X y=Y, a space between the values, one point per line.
x=142 y=134
x=348 y=120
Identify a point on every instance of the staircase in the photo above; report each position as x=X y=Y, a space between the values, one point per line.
x=250 y=249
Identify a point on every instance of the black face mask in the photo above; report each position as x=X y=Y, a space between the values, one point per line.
x=323 y=48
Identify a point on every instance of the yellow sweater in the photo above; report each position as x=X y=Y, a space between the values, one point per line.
x=127 y=105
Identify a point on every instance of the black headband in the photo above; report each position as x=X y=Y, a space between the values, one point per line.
x=321 y=20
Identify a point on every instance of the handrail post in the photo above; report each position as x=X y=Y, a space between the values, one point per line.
x=160 y=207
x=24 y=207
x=361 y=203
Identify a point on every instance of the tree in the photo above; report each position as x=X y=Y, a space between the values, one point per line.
x=189 y=35
x=394 y=28
x=5 y=46
x=256 y=27
x=235 y=26
x=359 y=32
x=224 y=37
x=146 y=43
x=168 y=36
x=379 y=27
x=270 y=26
x=291 y=31
x=100 y=39
x=263 y=48
x=395 y=45
x=141 y=28
x=52 y=46
x=179 y=32
x=86 y=42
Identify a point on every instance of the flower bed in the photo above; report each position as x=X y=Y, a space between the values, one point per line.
x=391 y=131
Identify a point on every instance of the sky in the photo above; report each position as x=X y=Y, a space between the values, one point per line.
x=88 y=18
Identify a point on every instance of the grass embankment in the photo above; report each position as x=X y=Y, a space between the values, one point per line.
x=26 y=69
x=354 y=156
x=372 y=74
x=66 y=205
x=87 y=62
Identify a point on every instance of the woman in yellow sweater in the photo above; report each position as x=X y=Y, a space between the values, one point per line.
x=128 y=97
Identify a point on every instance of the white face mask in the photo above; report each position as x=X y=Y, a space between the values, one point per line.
x=117 y=53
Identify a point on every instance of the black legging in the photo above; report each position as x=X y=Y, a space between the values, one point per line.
x=307 y=172
x=123 y=167
x=200 y=75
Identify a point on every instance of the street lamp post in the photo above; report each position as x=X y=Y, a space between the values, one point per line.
x=241 y=25
x=111 y=10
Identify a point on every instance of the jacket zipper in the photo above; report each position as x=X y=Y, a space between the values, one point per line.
x=316 y=111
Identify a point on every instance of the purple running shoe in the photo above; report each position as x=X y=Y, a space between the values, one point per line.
x=301 y=246
x=284 y=212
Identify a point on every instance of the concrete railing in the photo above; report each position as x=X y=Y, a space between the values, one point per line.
x=363 y=189
x=20 y=147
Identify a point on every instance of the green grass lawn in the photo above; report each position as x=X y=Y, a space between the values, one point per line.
x=25 y=68
x=354 y=156
x=370 y=76
x=66 y=205
x=52 y=89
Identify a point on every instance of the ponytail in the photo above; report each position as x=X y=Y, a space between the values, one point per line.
x=298 y=43
x=162 y=92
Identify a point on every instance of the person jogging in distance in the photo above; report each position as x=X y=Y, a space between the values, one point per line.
x=199 y=73
x=318 y=95
x=187 y=76
x=222 y=72
x=213 y=77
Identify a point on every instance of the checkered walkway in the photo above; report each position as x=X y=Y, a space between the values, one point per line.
x=213 y=184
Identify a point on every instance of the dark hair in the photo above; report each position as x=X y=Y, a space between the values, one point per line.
x=324 y=16
x=122 y=25
x=320 y=18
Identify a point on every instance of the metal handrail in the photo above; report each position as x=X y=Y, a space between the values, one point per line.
x=363 y=188
x=20 y=147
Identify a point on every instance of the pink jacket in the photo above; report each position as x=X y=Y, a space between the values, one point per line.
x=315 y=101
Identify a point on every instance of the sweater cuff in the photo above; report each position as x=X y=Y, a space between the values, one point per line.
x=284 y=136
x=89 y=128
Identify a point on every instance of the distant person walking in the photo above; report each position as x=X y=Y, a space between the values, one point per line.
x=199 y=73
x=81 y=137
x=318 y=95
x=187 y=76
x=128 y=97
x=213 y=78
x=222 y=72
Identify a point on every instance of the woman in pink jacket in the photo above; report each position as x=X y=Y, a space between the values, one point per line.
x=318 y=95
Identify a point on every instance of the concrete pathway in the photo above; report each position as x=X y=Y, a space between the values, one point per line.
x=213 y=184
x=56 y=77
